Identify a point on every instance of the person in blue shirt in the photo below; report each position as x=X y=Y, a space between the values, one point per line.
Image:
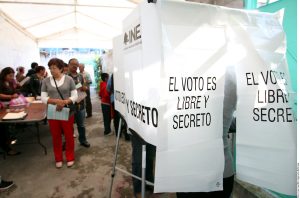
x=116 y=114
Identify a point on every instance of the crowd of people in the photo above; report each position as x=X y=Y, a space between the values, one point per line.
x=60 y=89
x=64 y=89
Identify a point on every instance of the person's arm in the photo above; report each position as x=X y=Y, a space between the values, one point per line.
x=108 y=86
x=82 y=81
x=5 y=94
x=31 y=87
x=44 y=93
x=74 y=95
x=8 y=97
x=58 y=102
x=46 y=98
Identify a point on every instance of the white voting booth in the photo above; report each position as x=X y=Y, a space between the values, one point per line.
x=169 y=74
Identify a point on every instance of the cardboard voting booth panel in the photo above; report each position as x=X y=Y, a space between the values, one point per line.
x=169 y=67
x=266 y=123
x=190 y=155
x=137 y=64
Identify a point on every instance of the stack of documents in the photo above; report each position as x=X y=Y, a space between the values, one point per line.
x=15 y=116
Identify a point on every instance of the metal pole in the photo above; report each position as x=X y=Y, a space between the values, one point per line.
x=39 y=139
x=115 y=159
x=134 y=176
x=143 y=170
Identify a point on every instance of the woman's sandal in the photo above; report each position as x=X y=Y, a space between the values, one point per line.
x=70 y=164
x=58 y=164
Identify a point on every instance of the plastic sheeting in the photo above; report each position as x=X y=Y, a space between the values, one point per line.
x=68 y=23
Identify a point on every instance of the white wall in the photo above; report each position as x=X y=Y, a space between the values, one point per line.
x=16 y=49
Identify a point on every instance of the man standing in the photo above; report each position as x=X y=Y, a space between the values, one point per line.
x=87 y=82
x=80 y=106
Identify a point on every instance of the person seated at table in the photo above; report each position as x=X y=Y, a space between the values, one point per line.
x=35 y=82
x=20 y=74
x=8 y=90
x=59 y=89
x=8 y=85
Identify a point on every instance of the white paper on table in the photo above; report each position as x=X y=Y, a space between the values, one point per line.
x=37 y=101
x=14 y=116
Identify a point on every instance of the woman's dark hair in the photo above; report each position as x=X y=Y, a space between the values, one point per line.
x=34 y=65
x=104 y=76
x=5 y=72
x=39 y=68
x=56 y=61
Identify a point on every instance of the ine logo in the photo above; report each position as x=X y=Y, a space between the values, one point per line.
x=132 y=37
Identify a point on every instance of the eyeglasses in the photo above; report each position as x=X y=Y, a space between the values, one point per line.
x=73 y=65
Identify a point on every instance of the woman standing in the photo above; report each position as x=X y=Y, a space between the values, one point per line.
x=60 y=90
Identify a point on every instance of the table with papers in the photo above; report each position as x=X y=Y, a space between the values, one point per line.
x=33 y=113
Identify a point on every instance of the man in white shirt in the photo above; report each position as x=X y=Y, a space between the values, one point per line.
x=87 y=82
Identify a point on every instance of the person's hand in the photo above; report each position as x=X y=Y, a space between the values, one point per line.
x=66 y=102
x=83 y=88
x=18 y=85
x=14 y=96
x=60 y=105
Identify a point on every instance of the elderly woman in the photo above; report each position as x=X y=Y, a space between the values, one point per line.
x=60 y=90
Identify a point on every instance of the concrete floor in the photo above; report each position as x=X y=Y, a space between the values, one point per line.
x=35 y=174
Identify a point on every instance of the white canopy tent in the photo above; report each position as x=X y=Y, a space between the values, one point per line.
x=27 y=25
x=68 y=23
x=74 y=23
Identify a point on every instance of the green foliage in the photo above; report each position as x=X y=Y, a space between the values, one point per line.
x=97 y=71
